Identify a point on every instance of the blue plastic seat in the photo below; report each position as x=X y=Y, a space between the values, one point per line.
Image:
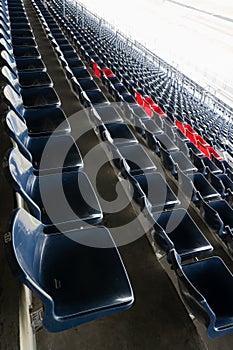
x=61 y=201
x=151 y=126
x=55 y=147
x=8 y=60
x=39 y=122
x=221 y=164
x=207 y=288
x=166 y=143
x=108 y=114
x=80 y=85
x=157 y=191
x=32 y=79
x=202 y=162
x=30 y=64
x=18 y=42
x=171 y=160
x=195 y=184
x=137 y=159
x=219 y=215
x=37 y=97
x=74 y=289
x=119 y=134
x=181 y=232
x=26 y=52
x=91 y=98
x=222 y=183
x=25 y=26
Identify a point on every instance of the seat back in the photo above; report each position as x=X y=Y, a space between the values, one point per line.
x=198 y=162
x=13 y=100
x=184 y=283
x=19 y=172
x=10 y=78
x=8 y=60
x=18 y=169
x=3 y=33
x=167 y=160
x=27 y=240
x=186 y=185
x=5 y=45
x=18 y=131
x=190 y=293
x=161 y=238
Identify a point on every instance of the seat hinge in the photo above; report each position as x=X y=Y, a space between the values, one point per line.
x=36 y=320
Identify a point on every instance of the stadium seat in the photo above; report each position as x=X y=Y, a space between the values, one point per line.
x=119 y=134
x=60 y=152
x=186 y=237
x=171 y=160
x=36 y=97
x=218 y=214
x=61 y=201
x=46 y=122
x=195 y=184
x=158 y=192
x=74 y=289
x=207 y=287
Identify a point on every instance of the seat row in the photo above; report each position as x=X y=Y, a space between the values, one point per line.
x=172 y=156
x=200 y=161
x=48 y=251
x=196 y=277
x=190 y=106
x=208 y=149
x=150 y=188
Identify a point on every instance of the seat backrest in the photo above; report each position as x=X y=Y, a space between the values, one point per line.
x=18 y=131
x=19 y=172
x=10 y=77
x=182 y=145
x=184 y=284
x=161 y=238
x=185 y=184
x=198 y=162
x=4 y=34
x=13 y=100
x=211 y=216
x=215 y=181
x=27 y=240
x=5 y=45
x=167 y=159
x=8 y=60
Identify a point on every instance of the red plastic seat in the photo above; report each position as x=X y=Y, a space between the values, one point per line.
x=180 y=126
x=214 y=153
x=139 y=99
x=108 y=72
x=96 y=69
x=147 y=108
x=154 y=106
x=191 y=133
x=203 y=147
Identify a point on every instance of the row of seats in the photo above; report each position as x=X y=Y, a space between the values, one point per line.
x=48 y=251
x=131 y=172
x=168 y=92
x=206 y=148
x=172 y=147
x=200 y=183
x=179 y=243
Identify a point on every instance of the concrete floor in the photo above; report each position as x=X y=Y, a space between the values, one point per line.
x=158 y=319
